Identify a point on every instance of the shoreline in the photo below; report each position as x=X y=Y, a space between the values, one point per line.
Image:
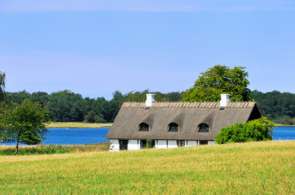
x=283 y=125
x=77 y=125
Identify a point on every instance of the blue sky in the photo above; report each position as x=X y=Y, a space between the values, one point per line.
x=95 y=47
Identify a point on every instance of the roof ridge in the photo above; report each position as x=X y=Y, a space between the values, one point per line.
x=246 y=104
x=188 y=102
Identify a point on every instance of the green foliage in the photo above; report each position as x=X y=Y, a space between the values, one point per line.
x=256 y=130
x=24 y=123
x=217 y=80
x=66 y=106
x=278 y=106
x=92 y=117
x=2 y=85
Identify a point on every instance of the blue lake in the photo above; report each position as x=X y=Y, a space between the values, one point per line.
x=283 y=133
x=93 y=136
x=76 y=136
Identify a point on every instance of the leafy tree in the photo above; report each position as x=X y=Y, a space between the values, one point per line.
x=111 y=108
x=66 y=106
x=24 y=124
x=256 y=130
x=41 y=98
x=92 y=117
x=17 y=98
x=2 y=85
x=217 y=80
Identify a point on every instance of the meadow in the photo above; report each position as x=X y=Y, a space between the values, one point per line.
x=251 y=168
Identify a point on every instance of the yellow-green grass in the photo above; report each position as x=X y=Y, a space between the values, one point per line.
x=252 y=168
x=77 y=125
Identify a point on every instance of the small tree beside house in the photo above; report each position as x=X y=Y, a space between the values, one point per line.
x=255 y=130
x=24 y=124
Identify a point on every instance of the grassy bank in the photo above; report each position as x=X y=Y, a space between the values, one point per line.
x=77 y=125
x=283 y=125
x=252 y=168
x=53 y=149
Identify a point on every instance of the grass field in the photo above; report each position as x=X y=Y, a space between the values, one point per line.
x=252 y=168
x=77 y=125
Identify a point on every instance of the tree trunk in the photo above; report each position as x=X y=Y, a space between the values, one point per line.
x=17 y=143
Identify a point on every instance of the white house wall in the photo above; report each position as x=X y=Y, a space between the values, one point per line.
x=161 y=144
x=114 y=145
x=172 y=144
x=133 y=145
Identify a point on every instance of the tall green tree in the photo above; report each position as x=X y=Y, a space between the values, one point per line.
x=2 y=85
x=24 y=124
x=217 y=80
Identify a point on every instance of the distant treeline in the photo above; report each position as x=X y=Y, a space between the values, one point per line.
x=66 y=106
x=280 y=107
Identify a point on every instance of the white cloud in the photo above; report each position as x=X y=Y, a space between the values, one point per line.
x=143 y=5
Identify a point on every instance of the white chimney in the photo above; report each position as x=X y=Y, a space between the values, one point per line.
x=150 y=100
x=225 y=100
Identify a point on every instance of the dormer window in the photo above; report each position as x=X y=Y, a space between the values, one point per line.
x=173 y=127
x=203 y=128
x=144 y=127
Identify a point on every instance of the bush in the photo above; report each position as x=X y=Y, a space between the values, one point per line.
x=256 y=130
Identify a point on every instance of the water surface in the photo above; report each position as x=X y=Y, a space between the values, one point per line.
x=283 y=133
x=76 y=136
x=68 y=136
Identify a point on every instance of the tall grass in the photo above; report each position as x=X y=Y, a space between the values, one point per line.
x=252 y=168
x=53 y=149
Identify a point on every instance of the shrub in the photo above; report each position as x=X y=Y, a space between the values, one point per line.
x=256 y=130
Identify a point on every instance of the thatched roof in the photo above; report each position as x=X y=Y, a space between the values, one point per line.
x=187 y=115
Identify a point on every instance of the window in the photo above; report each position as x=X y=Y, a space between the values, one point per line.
x=123 y=144
x=203 y=128
x=180 y=143
x=173 y=127
x=144 y=127
x=147 y=144
x=203 y=142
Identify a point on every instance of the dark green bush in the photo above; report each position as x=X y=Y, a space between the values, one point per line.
x=256 y=130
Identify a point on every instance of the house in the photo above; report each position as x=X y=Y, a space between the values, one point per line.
x=172 y=125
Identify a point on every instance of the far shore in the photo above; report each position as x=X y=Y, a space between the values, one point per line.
x=284 y=125
x=77 y=125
